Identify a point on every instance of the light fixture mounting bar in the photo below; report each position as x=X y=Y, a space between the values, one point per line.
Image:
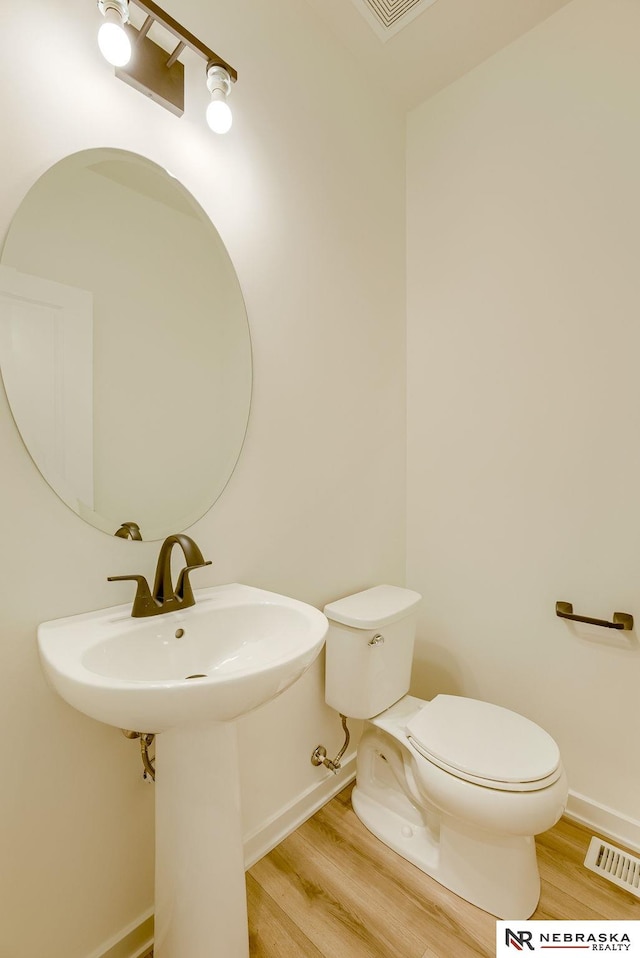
x=183 y=35
x=176 y=53
x=149 y=74
x=146 y=26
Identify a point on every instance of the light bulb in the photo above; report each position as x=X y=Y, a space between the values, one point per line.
x=113 y=41
x=219 y=116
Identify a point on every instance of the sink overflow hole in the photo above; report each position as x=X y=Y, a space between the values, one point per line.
x=198 y=675
x=179 y=633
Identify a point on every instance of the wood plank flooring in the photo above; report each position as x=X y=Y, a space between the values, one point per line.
x=332 y=890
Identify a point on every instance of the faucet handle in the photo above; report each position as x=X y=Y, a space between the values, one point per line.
x=184 y=590
x=143 y=603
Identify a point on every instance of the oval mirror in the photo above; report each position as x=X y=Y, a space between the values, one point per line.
x=124 y=343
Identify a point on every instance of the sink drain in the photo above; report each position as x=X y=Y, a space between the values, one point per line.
x=198 y=675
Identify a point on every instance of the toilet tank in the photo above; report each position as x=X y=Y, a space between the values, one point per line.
x=369 y=649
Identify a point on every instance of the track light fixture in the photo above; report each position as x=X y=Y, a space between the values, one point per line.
x=148 y=67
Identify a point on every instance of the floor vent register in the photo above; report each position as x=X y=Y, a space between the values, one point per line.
x=616 y=866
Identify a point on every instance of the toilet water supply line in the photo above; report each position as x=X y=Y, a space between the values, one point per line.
x=319 y=755
x=146 y=741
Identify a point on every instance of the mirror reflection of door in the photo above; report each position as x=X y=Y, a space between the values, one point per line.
x=46 y=354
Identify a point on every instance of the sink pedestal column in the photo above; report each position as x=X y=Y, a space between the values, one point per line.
x=201 y=905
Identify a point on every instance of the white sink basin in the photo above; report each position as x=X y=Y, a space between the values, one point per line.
x=235 y=649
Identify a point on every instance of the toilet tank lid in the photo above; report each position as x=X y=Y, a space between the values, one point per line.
x=373 y=608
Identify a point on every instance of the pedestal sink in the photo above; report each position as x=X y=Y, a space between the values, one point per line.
x=185 y=676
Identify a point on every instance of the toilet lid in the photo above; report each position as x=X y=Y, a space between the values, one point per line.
x=484 y=743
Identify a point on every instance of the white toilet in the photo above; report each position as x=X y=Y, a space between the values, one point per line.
x=456 y=786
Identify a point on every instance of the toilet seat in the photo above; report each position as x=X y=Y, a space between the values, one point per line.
x=484 y=744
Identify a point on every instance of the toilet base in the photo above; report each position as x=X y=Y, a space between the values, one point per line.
x=496 y=872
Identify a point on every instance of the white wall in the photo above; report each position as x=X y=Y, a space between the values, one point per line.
x=307 y=193
x=523 y=345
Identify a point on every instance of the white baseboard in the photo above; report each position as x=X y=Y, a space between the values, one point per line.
x=603 y=820
x=134 y=941
x=260 y=842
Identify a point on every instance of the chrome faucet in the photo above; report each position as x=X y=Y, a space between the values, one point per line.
x=165 y=598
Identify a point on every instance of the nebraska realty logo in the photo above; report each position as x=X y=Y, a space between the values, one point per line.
x=567 y=937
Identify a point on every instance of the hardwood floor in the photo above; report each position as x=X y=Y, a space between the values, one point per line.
x=332 y=890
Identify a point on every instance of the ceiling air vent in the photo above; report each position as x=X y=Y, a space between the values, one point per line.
x=387 y=17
